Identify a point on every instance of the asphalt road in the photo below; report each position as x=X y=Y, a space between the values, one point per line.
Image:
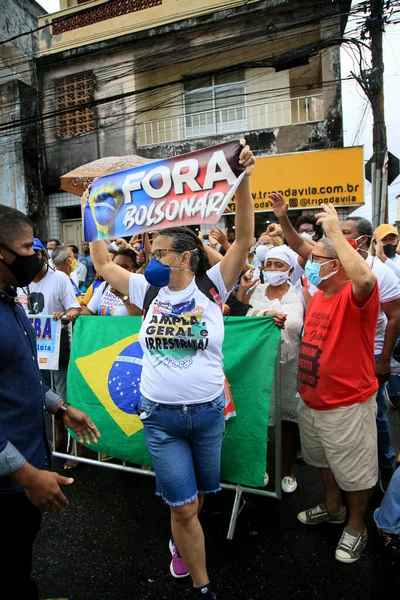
x=112 y=544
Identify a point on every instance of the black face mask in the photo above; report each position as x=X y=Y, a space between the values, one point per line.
x=390 y=250
x=24 y=268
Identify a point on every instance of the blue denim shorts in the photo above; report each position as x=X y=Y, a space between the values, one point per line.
x=184 y=442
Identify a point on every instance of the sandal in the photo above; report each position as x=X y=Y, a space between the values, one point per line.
x=71 y=464
x=105 y=457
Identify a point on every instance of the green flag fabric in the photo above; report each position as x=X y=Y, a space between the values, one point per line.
x=104 y=377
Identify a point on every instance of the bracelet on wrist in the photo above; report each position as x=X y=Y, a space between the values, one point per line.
x=61 y=411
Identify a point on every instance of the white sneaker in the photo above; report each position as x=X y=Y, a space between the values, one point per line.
x=289 y=484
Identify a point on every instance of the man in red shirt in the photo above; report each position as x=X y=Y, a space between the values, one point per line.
x=337 y=410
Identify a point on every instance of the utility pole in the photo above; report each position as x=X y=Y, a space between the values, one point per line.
x=375 y=27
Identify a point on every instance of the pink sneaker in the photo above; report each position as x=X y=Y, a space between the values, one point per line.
x=177 y=567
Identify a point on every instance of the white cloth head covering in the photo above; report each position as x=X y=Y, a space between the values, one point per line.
x=283 y=253
x=261 y=252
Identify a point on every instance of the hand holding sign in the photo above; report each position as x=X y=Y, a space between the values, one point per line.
x=247 y=159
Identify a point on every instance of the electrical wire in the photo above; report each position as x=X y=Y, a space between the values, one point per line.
x=155 y=89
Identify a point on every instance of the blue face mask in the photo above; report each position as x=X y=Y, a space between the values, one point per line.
x=312 y=270
x=157 y=273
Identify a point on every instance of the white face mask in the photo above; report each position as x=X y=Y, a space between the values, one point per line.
x=307 y=235
x=49 y=252
x=275 y=278
x=359 y=249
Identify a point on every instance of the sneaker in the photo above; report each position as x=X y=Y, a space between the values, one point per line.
x=389 y=542
x=394 y=402
x=289 y=484
x=177 y=567
x=205 y=593
x=320 y=514
x=351 y=545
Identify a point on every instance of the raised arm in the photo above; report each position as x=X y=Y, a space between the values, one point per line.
x=233 y=261
x=213 y=255
x=296 y=242
x=112 y=273
x=356 y=267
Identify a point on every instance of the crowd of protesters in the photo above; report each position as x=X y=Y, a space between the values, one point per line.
x=334 y=291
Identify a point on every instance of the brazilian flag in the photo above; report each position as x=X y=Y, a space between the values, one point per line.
x=104 y=377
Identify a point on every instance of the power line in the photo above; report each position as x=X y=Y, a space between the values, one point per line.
x=299 y=23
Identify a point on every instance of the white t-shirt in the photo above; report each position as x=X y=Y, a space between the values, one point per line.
x=389 y=290
x=105 y=303
x=181 y=337
x=79 y=275
x=394 y=264
x=53 y=293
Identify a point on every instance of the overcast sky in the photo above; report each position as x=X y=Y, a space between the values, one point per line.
x=357 y=114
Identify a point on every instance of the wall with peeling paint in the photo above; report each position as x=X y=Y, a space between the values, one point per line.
x=19 y=163
x=140 y=79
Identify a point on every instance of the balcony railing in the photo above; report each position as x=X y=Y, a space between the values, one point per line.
x=231 y=119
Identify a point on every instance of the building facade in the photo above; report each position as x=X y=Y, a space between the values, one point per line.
x=164 y=77
x=20 y=134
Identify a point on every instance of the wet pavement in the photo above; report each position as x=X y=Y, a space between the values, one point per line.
x=112 y=544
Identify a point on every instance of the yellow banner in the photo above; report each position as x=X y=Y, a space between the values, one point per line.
x=309 y=179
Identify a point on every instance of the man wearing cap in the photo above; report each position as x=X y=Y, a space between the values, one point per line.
x=386 y=239
x=50 y=292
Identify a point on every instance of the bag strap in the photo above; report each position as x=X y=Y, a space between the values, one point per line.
x=203 y=282
x=209 y=289
x=151 y=293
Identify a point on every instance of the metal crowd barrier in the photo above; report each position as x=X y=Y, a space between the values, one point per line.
x=240 y=491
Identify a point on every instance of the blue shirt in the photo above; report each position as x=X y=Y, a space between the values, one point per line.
x=23 y=396
x=91 y=271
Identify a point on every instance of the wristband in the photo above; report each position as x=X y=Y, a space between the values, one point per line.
x=61 y=411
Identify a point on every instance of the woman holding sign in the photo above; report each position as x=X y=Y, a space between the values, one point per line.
x=182 y=383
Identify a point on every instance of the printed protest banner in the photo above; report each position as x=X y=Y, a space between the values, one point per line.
x=184 y=190
x=48 y=332
x=104 y=377
x=309 y=179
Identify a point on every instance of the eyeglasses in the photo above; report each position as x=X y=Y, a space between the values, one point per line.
x=158 y=254
x=307 y=230
x=312 y=257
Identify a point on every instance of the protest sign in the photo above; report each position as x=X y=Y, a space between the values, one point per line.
x=48 y=332
x=104 y=378
x=189 y=189
x=309 y=179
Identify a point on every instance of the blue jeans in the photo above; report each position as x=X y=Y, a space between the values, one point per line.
x=185 y=446
x=386 y=454
x=387 y=516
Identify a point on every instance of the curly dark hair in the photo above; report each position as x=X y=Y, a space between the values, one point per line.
x=184 y=239
x=312 y=221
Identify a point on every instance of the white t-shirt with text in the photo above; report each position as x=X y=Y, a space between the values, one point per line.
x=105 y=303
x=53 y=293
x=181 y=337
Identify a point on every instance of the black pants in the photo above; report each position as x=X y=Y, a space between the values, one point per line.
x=19 y=526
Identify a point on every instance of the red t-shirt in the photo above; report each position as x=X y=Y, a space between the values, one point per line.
x=336 y=361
